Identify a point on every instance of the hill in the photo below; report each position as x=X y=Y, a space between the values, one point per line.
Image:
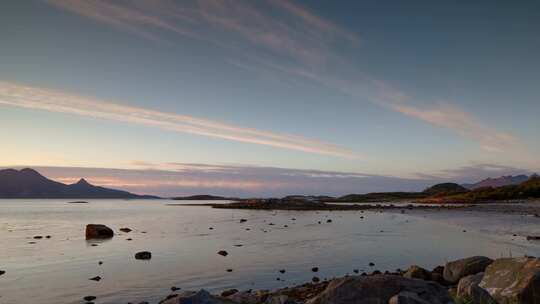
x=28 y=183
x=445 y=189
x=202 y=197
x=498 y=182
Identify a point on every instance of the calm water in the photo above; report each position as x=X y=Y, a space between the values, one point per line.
x=57 y=270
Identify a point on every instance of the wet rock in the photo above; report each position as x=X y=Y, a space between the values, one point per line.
x=282 y=271
x=379 y=289
x=248 y=297
x=533 y=238
x=96 y=278
x=454 y=271
x=513 y=280
x=223 y=253
x=371 y=264
x=94 y=245
x=129 y=239
x=48 y=237
x=468 y=289
x=229 y=270
x=315 y=279
x=229 y=292
x=126 y=230
x=210 y=228
x=98 y=231
x=143 y=255
x=417 y=272
x=238 y=245
x=2 y=272
x=38 y=237
x=315 y=269
x=356 y=270
x=243 y=220
x=174 y=288
x=100 y=263
x=89 y=298
x=328 y=221
x=279 y=299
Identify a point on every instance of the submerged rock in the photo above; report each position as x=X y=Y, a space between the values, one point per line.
x=126 y=230
x=513 y=280
x=454 y=271
x=223 y=253
x=143 y=255
x=380 y=289
x=98 y=231
x=96 y=278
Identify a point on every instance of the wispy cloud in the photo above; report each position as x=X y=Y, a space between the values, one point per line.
x=36 y=98
x=279 y=35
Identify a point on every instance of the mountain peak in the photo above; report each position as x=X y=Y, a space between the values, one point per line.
x=82 y=182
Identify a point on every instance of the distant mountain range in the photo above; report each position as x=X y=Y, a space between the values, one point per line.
x=498 y=182
x=28 y=183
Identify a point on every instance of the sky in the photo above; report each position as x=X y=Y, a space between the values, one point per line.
x=270 y=97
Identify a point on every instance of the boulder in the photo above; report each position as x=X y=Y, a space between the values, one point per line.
x=379 y=289
x=407 y=297
x=192 y=297
x=143 y=255
x=279 y=299
x=454 y=271
x=417 y=272
x=249 y=297
x=468 y=290
x=513 y=280
x=98 y=231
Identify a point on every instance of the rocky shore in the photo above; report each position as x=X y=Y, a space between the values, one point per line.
x=303 y=205
x=473 y=280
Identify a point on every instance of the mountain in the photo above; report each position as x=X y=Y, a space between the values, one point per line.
x=28 y=183
x=202 y=197
x=498 y=182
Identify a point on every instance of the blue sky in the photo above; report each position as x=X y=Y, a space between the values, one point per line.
x=378 y=88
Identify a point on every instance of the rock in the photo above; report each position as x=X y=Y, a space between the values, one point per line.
x=229 y=292
x=243 y=220
x=379 y=289
x=98 y=231
x=48 y=237
x=328 y=221
x=96 y=278
x=38 y=237
x=249 y=297
x=417 y=272
x=279 y=299
x=371 y=264
x=129 y=239
x=315 y=269
x=89 y=298
x=315 y=279
x=223 y=253
x=533 y=238
x=174 y=288
x=407 y=297
x=454 y=271
x=513 y=280
x=100 y=263
x=126 y=230
x=282 y=271
x=143 y=255
x=2 y=272
x=468 y=289
x=191 y=297
x=229 y=270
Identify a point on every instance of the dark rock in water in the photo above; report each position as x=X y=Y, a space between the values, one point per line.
x=126 y=230
x=356 y=270
x=315 y=279
x=94 y=245
x=238 y=245
x=533 y=238
x=210 y=228
x=223 y=253
x=31 y=242
x=375 y=272
x=315 y=269
x=243 y=220
x=229 y=270
x=89 y=298
x=48 y=237
x=380 y=289
x=282 y=271
x=78 y=202
x=2 y=272
x=96 y=278
x=129 y=239
x=229 y=292
x=328 y=221
x=513 y=280
x=174 y=288
x=454 y=271
x=143 y=255
x=98 y=231
x=100 y=263
x=319 y=222
x=417 y=272
x=38 y=237
x=371 y=264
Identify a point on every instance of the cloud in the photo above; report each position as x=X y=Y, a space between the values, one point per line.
x=54 y=101
x=281 y=36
